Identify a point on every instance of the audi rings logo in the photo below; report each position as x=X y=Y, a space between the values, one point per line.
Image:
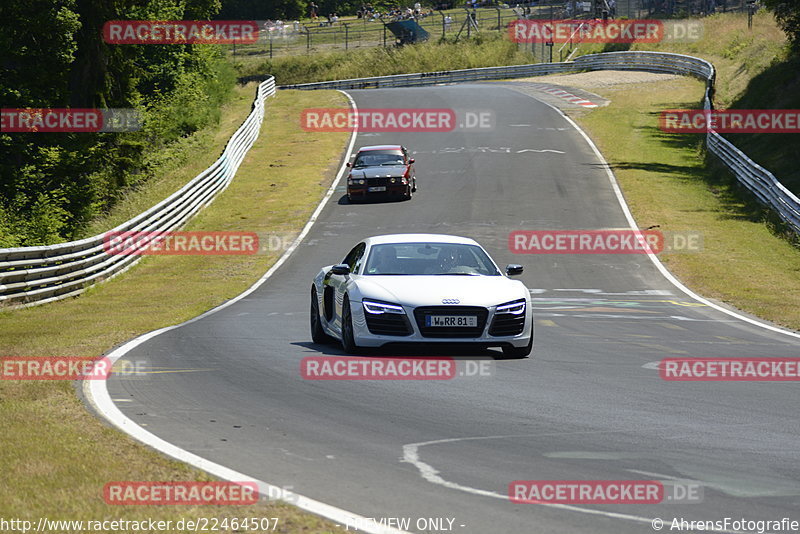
x=450 y=301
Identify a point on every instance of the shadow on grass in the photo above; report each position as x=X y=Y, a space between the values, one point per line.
x=777 y=87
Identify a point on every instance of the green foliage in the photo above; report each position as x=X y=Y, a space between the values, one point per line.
x=260 y=10
x=52 y=184
x=486 y=50
x=788 y=14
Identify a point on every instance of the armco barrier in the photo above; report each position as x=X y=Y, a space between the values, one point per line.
x=758 y=180
x=36 y=275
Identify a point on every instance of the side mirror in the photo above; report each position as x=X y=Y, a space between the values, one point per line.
x=349 y=164
x=513 y=269
x=342 y=269
x=412 y=160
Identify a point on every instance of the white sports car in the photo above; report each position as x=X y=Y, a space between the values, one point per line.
x=421 y=288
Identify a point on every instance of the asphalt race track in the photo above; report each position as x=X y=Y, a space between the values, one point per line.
x=588 y=404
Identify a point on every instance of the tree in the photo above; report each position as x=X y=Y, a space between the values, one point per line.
x=788 y=14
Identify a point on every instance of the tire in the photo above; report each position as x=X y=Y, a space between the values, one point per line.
x=318 y=334
x=414 y=182
x=519 y=352
x=348 y=339
x=409 y=193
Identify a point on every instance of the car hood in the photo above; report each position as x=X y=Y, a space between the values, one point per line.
x=379 y=172
x=430 y=290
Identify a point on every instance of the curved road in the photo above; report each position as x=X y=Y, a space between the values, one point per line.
x=588 y=405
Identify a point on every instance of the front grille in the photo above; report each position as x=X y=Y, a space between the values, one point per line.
x=372 y=182
x=451 y=331
x=388 y=324
x=507 y=324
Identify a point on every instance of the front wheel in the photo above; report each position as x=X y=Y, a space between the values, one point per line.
x=519 y=352
x=348 y=339
x=318 y=334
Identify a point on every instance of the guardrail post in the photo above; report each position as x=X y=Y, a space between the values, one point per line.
x=346 y=34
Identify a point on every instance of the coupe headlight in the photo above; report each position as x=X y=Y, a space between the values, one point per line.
x=516 y=307
x=376 y=307
x=392 y=180
x=360 y=182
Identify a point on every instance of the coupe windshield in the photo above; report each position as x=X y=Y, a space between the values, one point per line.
x=430 y=259
x=375 y=158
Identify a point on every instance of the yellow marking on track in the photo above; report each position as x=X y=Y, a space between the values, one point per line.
x=661 y=348
x=734 y=340
x=546 y=322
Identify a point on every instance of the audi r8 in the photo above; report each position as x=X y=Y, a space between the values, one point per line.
x=421 y=288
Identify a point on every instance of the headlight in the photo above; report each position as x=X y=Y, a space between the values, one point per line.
x=377 y=307
x=392 y=180
x=360 y=182
x=515 y=307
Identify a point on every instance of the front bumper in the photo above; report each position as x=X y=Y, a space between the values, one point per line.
x=362 y=191
x=366 y=338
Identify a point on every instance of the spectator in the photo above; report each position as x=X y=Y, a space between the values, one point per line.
x=313 y=10
x=448 y=20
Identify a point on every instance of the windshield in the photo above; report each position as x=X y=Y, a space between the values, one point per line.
x=430 y=259
x=374 y=158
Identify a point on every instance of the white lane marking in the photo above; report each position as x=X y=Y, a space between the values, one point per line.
x=632 y=223
x=97 y=393
x=655 y=366
x=657 y=475
x=431 y=474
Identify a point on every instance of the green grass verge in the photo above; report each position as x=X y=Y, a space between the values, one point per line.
x=666 y=182
x=754 y=71
x=486 y=50
x=55 y=456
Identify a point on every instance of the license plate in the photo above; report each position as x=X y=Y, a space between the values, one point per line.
x=451 y=320
x=376 y=189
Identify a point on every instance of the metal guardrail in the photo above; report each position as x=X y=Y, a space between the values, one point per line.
x=37 y=275
x=758 y=180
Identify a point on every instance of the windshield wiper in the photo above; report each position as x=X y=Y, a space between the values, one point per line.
x=456 y=274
